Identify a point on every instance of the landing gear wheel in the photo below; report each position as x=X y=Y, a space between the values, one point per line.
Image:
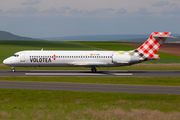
x=93 y=69
x=13 y=69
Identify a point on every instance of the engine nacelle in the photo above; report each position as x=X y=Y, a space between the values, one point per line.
x=117 y=58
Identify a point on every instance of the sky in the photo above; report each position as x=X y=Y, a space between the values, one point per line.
x=59 y=18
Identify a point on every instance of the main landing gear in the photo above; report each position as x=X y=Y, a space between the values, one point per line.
x=93 y=69
x=13 y=69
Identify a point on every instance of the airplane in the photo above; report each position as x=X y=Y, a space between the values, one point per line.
x=93 y=59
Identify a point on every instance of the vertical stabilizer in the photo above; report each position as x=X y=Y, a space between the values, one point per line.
x=148 y=50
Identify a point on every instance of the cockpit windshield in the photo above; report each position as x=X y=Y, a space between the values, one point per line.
x=16 y=55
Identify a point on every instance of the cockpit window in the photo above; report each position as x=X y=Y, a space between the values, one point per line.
x=16 y=55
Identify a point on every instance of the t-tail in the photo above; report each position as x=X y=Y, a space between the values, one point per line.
x=147 y=51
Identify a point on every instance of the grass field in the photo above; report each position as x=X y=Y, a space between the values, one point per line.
x=158 y=81
x=164 y=57
x=45 y=104
x=113 y=46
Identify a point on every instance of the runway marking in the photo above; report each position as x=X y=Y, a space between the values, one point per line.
x=75 y=74
x=61 y=74
x=122 y=74
x=88 y=87
x=75 y=70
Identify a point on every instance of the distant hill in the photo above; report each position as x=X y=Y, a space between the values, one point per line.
x=123 y=38
x=96 y=38
x=9 y=36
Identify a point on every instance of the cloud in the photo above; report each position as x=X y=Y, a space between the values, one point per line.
x=99 y=11
x=160 y=4
x=121 y=11
x=172 y=9
x=109 y=9
x=53 y=10
x=142 y=11
x=1 y=10
x=28 y=10
x=64 y=9
x=30 y=2
x=75 y=11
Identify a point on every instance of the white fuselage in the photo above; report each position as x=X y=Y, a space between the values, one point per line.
x=70 y=58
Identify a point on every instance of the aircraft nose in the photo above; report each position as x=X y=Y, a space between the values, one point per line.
x=7 y=61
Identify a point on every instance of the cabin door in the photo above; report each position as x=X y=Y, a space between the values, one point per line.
x=22 y=57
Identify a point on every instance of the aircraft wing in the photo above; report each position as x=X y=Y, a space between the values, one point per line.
x=87 y=63
x=122 y=62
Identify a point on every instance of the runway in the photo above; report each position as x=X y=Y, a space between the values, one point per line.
x=90 y=87
x=87 y=73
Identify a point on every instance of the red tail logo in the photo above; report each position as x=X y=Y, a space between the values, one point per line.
x=151 y=46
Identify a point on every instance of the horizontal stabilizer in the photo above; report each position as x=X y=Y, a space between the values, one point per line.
x=164 y=37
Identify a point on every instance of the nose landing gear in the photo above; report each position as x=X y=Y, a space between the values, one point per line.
x=13 y=69
x=93 y=69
